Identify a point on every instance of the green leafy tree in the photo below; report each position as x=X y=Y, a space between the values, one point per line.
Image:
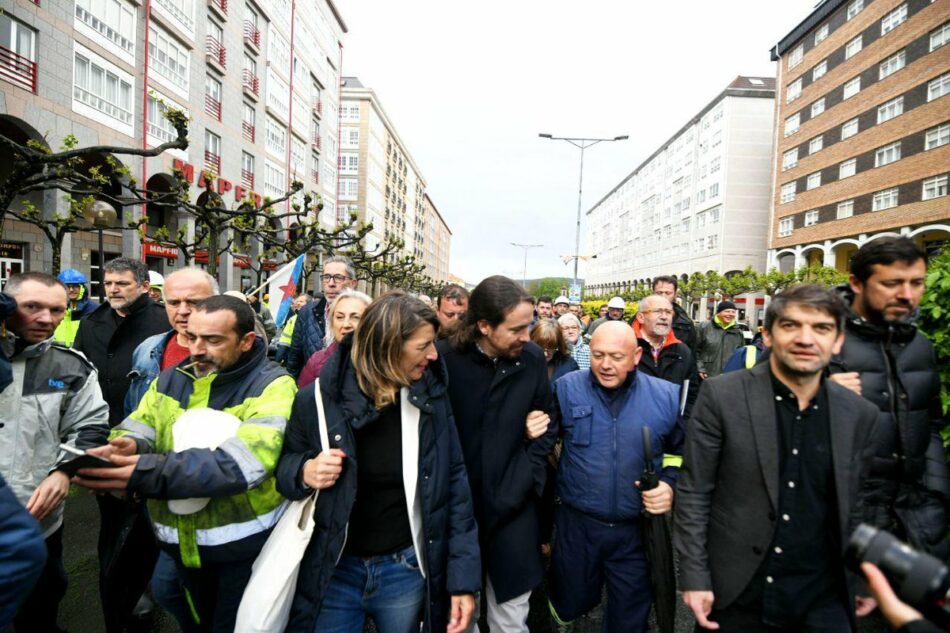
x=935 y=321
x=548 y=286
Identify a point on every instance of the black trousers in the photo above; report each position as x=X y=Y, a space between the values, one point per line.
x=38 y=613
x=216 y=590
x=127 y=555
x=830 y=617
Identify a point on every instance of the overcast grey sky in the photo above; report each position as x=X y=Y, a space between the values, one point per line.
x=470 y=85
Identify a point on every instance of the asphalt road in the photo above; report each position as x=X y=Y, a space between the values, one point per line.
x=80 y=611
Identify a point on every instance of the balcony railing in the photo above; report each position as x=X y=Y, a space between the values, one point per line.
x=221 y=5
x=172 y=7
x=252 y=35
x=247 y=130
x=216 y=51
x=251 y=81
x=315 y=175
x=213 y=107
x=318 y=107
x=17 y=69
x=212 y=163
x=318 y=143
x=247 y=178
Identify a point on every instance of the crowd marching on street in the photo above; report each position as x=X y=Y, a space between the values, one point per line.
x=428 y=464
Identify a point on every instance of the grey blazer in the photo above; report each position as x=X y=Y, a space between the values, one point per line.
x=726 y=501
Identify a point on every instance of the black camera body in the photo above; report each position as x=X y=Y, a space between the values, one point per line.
x=918 y=579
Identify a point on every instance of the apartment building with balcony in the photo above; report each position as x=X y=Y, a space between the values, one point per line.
x=862 y=144
x=259 y=79
x=379 y=180
x=436 y=241
x=698 y=203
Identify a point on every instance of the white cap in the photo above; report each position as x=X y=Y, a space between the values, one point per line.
x=617 y=302
x=237 y=294
x=561 y=299
x=155 y=279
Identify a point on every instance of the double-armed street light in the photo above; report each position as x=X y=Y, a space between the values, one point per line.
x=524 y=271
x=582 y=144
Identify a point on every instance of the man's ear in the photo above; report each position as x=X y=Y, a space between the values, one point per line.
x=857 y=287
x=247 y=341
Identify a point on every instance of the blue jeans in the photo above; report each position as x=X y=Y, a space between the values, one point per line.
x=390 y=589
x=169 y=593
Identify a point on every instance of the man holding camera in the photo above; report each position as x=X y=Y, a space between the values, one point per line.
x=774 y=460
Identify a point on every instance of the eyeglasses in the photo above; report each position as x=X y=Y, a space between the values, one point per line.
x=661 y=311
x=337 y=278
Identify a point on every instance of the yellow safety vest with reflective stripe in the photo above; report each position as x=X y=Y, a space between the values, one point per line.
x=287 y=334
x=263 y=412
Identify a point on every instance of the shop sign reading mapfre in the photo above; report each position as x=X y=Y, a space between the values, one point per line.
x=221 y=185
x=157 y=249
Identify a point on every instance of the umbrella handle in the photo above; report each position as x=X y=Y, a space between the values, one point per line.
x=647 y=449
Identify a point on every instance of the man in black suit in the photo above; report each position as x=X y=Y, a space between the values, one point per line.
x=775 y=457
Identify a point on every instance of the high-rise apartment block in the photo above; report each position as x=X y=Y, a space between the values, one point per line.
x=259 y=79
x=698 y=203
x=862 y=144
x=383 y=186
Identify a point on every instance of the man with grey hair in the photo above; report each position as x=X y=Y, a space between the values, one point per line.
x=311 y=326
x=664 y=355
x=108 y=337
x=53 y=397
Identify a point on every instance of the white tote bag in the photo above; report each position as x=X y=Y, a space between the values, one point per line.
x=265 y=605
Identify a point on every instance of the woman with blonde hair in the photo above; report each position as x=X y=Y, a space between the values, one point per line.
x=548 y=336
x=345 y=313
x=395 y=535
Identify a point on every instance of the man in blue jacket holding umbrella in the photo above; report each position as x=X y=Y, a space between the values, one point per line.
x=597 y=536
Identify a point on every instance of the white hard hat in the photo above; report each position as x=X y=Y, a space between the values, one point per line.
x=200 y=428
x=155 y=279
x=237 y=294
x=562 y=299
x=617 y=302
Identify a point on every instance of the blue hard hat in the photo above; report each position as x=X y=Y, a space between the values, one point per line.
x=72 y=276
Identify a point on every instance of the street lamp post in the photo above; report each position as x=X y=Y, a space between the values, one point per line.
x=101 y=215
x=582 y=144
x=524 y=271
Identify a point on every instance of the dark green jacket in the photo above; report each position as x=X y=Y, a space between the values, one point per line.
x=714 y=346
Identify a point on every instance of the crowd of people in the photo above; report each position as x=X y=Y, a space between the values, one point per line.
x=467 y=449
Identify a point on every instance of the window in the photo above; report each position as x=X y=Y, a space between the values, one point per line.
x=182 y=11
x=887 y=154
x=794 y=90
x=792 y=124
x=788 y=192
x=351 y=138
x=159 y=128
x=168 y=59
x=212 y=152
x=275 y=180
x=786 y=226
x=821 y=34
x=712 y=242
x=113 y=20
x=937 y=136
x=847 y=169
x=247 y=170
x=855 y=8
x=213 y=97
x=790 y=159
x=892 y=64
x=811 y=218
x=849 y=129
x=350 y=111
x=853 y=47
x=884 y=199
x=278 y=94
x=894 y=19
x=891 y=109
x=816 y=144
x=817 y=107
x=819 y=70
x=714 y=165
x=103 y=89
x=935 y=187
x=714 y=215
x=845 y=209
x=701 y=196
x=276 y=138
x=349 y=188
x=795 y=57
x=248 y=122
x=298 y=158
x=814 y=180
x=713 y=190
x=852 y=87
x=938 y=87
x=940 y=37
x=349 y=163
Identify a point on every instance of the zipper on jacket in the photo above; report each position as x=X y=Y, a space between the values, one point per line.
x=346 y=533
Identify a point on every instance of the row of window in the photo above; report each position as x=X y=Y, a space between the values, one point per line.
x=930 y=188
x=890 y=153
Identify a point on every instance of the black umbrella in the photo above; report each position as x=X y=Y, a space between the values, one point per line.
x=659 y=547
